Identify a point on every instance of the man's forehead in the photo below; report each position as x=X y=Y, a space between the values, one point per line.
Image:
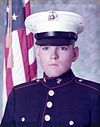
x=49 y=46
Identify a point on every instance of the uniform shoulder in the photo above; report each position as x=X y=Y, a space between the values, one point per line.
x=89 y=84
x=28 y=84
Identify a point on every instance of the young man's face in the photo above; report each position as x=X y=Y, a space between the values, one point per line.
x=56 y=60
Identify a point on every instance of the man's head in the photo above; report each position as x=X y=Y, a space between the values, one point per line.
x=55 y=33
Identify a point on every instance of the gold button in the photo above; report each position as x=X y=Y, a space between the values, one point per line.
x=23 y=119
x=51 y=93
x=47 y=117
x=49 y=104
x=71 y=122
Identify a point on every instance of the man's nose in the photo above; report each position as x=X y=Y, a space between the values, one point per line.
x=54 y=55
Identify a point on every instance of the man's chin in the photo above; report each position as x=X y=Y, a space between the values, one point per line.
x=54 y=75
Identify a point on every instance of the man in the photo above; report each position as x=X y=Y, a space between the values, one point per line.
x=59 y=99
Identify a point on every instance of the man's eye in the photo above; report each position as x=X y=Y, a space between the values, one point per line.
x=64 y=48
x=45 y=48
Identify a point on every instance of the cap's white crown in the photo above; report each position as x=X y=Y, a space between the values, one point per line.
x=55 y=21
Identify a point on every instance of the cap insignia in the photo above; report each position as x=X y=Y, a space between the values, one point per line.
x=52 y=15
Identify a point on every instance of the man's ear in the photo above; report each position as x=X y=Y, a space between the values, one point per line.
x=75 y=54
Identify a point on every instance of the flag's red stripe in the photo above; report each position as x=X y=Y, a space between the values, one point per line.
x=27 y=9
x=30 y=40
x=24 y=51
x=8 y=71
x=9 y=81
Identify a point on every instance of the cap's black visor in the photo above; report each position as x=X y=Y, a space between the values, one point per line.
x=55 y=38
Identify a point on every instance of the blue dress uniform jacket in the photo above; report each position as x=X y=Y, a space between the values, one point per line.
x=65 y=101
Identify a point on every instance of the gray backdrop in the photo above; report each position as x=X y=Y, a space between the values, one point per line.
x=88 y=64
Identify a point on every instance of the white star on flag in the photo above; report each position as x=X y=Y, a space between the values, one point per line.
x=14 y=16
x=7 y=9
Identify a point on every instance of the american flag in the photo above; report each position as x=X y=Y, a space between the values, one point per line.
x=19 y=59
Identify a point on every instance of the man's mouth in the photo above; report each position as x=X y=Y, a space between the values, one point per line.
x=53 y=64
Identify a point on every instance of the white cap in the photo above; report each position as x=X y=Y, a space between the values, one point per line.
x=59 y=27
x=48 y=21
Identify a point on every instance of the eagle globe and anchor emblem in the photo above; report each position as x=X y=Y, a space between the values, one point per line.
x=52 y=15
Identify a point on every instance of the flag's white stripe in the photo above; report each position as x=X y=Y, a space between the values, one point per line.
x=31 y=51
x=4 y=92
x=18 y=74
x=27 y=32
x=31 y=54
x=24 y=2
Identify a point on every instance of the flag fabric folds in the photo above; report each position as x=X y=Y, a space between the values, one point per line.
x=19 y=59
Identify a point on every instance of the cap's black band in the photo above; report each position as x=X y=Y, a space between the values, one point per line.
x=55 y=38
x=58 y=34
